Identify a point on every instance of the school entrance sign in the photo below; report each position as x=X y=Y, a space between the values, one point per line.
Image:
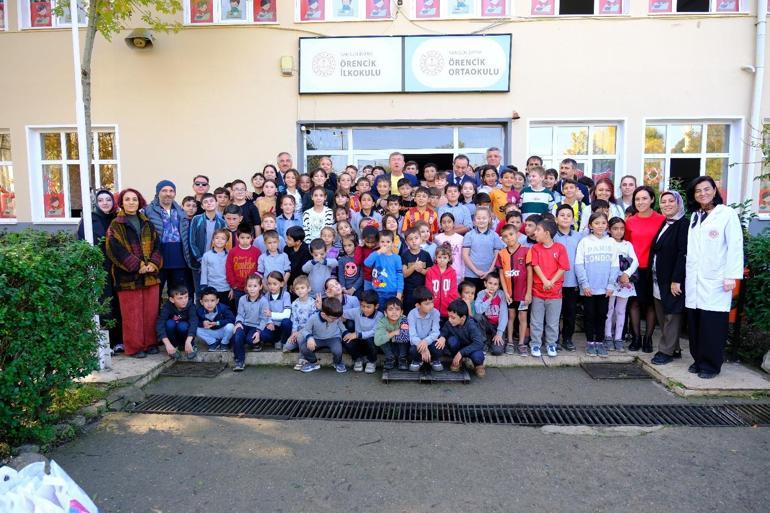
x=405 y=64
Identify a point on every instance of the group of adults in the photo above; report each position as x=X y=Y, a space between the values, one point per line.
x=685 y=263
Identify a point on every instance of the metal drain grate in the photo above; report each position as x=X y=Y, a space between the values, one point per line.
x=729 y=415
x=615 y=371
x=194 y=369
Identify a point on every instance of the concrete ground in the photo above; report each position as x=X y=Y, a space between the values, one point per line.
x=156 y=463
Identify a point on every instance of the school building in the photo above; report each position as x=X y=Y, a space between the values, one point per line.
x=658 y=89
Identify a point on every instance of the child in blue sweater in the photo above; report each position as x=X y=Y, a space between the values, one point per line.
x=424 y=330
x=596 y=267
x=387 y=273
x=359 y=343
x=215 y=321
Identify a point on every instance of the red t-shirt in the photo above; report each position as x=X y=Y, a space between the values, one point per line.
x=239 y=265
x=641 y=232
x=514 y=268
x=359 y=256
x=549 y=260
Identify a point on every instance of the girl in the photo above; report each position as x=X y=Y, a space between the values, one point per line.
x=248 y=322
x=288 y=216
x=318 y=179
x=603 y=190
x=425 y=243
x=304 y=184
x=627 y=186
x=344 y=229
x=597 y=271
x=624 y=288
x=290 y=183
x=441 y=280
x=257 y=181
x=213 y=267
x=271 y=173
x=268 y=201
x=276 y=310
x=467 y=195
x=341 y=214
x=344 y=184
x=341 y=199
x=318 y=216
x=453 y=239
x=519 y=181
x=350 y=275
x=488 y=179
x=381 y=193
x=367 y=212
x=328 y=235
x=390 y=223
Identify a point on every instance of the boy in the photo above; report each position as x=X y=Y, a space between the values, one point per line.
x=421 y=212
x=202 y=228
x=276 y=309
x=406 y=200
x=436 y=199
x=177 y=323
x=529 y=229
x=223 y=199
x=369 y=235
x=269 y=223
x=216 y=321
x=480 y=246
x=536 y=199
x=272 y=259
x=549 y=181
x=415 y=264
x=392 y=335
x=411 y=168
x=463 y=221
x=467 y=291
x=569 y=190
x=323 y=330
x=233 y=218
x=241 y=262
x=424 y=329
x=319 y=268
x=387 y=271
x=297 y=251
x=504 y=195
x=461 y=338
x=514 y=277
x=568 y=237
x=190 y=206
x=492 y=312
x=549 y=262
x=359 y=343
x=393 y=207
x=301 y=310
x=597 y=205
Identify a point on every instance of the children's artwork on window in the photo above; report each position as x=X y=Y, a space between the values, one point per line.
x=542 y=7
x=377 y=9
x=312 y=10
x=657 y=6
x=201 y=11
x=345 y=9
x=426 y=9
x=460 y=7
x=66 y=17
x=610 y=6
x=40 y=13
x=493 y=8
x=53 y=197
x=727 y=5
x=233 y=10
x=2 y=14
x=264 y=11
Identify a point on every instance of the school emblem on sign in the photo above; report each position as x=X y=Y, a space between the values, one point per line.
x=714 y=234
x=324 y=64
x=432 y=63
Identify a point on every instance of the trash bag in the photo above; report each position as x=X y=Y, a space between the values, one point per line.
x=31 y=490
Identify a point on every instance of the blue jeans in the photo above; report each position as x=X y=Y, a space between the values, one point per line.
x=453 y=346
x=212 y=336
x=382 y=297
x=334 y=345
x=176 y=331
x=280 y=334
x=242 y=338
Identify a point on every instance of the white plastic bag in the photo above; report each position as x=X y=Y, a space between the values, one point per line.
x=31 y=490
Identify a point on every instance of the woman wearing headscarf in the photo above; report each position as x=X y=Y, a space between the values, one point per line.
x=714 y=266
x=668 y=257
x=101 y=217
x=133 y=247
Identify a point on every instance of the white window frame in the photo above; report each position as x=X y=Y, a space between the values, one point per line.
x=624 y=10
x=217 y=15
x=9 y=164
x=474 y=13
x=743 y=8
x=733 y=154
x=592 y=123
x=25 y=23
x=36 y=163
x=756 y=185
x=5 y=16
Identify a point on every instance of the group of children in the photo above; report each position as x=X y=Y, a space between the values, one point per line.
x=415 y=277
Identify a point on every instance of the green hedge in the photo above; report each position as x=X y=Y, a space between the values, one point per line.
x=49 y=293
x=755 y=341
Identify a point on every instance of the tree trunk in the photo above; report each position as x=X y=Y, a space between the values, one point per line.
x=85 y=80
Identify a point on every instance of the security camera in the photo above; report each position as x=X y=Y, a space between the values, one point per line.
x=140 y=39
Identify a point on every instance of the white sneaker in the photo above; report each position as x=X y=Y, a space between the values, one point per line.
x=551 y=349
x=535 y=351
x=371 y=368
x=358 y=365
x=300 y=363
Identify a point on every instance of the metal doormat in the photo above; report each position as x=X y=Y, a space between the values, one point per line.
x=426 y=377
x=615 y=371
x=194 y=369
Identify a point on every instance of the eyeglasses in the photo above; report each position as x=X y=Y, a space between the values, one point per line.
x=200 y=184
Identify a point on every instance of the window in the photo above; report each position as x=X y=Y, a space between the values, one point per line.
x=211 y=12
x=578 y=7
x=7 y=194
x=686 y=150
x=453 y=9
x=593 y=145
x=345 y=10
x=38 y=14
x=763 y=208
x=3 y=16
x=56 y=170
x=696 y=6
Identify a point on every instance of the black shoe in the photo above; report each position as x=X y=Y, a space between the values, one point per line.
x=707 y=375
x=403 y=366
x=693 y=369
x=388 y=365
x=153 y=350
x=661 y=359
x=140 y=354
x=568 y=345
x=636 y=343
x=647 y=345
x=677 y=354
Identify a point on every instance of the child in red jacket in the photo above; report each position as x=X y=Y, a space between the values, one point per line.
x=241 y=262
x=369 y=246
x=441 y=279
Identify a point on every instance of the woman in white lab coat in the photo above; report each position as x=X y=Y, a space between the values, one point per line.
x=714 y=265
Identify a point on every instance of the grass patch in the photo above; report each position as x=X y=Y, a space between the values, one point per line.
x=74 y=398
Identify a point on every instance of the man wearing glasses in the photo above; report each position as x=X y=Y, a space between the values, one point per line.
x=200 y=187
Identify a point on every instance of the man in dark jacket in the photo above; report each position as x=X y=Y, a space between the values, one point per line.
x=461 y=337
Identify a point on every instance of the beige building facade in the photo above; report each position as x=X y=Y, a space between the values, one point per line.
x=630 y=91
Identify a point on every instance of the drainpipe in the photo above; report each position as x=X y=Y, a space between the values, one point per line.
x=755 y=126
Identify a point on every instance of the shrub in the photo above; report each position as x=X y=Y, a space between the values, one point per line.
x=50 y=286
x=755 y=341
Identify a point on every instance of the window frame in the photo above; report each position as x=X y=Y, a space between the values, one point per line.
x=36 y=163
x=733 y=153
x=743 y=8
x=25 y=23
x=620 y=125
x=758 y=186
x=4 y=16
x=217 y=15
x=9 y=164
x=624 y=10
